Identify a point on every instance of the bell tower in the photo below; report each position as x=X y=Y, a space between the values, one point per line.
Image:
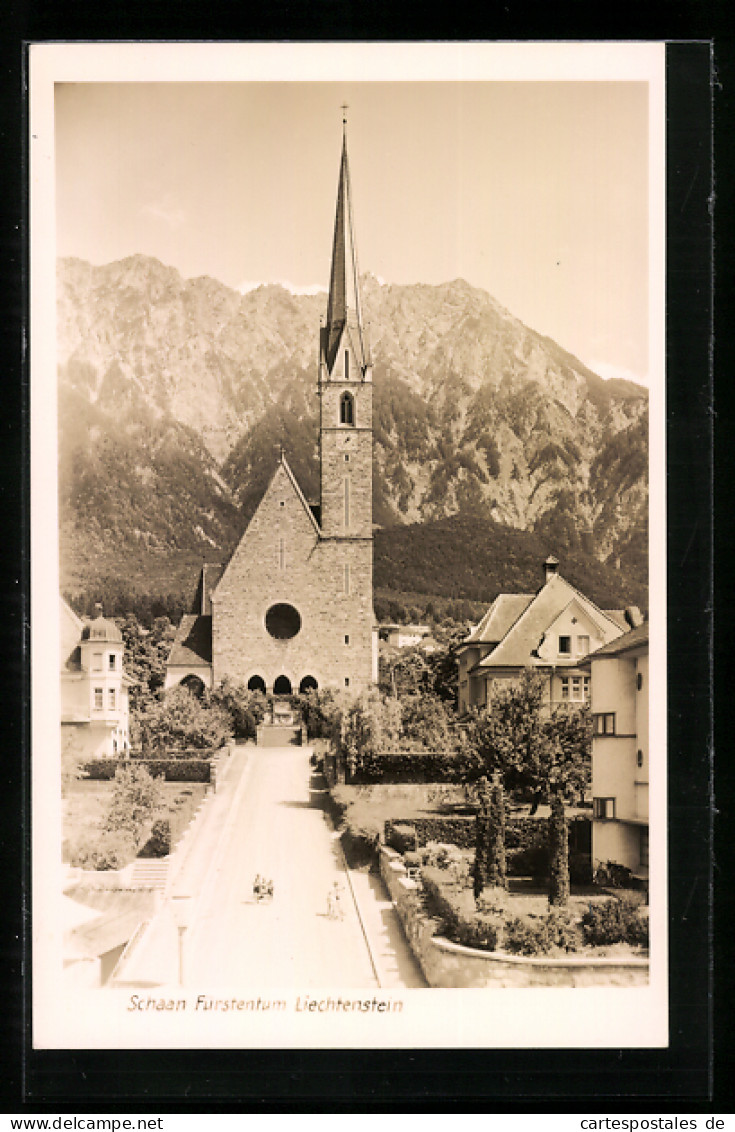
x=345 y=387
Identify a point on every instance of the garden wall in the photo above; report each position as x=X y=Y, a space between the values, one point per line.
x=447 y=964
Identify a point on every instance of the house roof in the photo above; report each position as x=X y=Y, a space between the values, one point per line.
x=502 y=614
x=102 y=629
x=631 y=640
x=193 y=641
x=113 y=927
x=517 y=647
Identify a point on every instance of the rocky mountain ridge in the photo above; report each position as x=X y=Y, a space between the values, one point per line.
x=176 y=394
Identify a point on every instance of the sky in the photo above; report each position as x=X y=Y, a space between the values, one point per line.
x=534 y=191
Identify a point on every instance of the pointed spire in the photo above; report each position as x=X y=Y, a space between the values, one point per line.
x=343 y=308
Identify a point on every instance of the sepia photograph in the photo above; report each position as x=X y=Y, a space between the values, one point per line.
x=346 y=569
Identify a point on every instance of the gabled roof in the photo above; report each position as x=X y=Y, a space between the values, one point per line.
x=193 y=641
x=502 y=614
x=284 y=462
x=634 y=639
x=517 y=647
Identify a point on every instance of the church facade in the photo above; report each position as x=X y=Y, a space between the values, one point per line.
x=293 y=607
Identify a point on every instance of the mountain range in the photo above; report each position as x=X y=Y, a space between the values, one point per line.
x=176 y=394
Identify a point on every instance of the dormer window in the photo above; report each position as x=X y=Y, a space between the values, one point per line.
x=346 y=409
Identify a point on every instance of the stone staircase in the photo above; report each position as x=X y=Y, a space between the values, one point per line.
x=281 y=727
x=150 y=873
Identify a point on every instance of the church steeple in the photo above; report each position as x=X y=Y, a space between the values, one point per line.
x=345 y=388
x=344 y=308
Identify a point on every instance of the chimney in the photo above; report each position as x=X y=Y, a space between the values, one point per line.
x=633 y=616
x=551 y=566
x=98 y=608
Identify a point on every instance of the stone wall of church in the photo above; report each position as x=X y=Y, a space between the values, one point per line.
x=282 y=560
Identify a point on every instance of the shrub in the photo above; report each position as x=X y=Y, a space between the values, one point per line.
x=103 y=850
x=580 y=868
x=538 y=935
x=135 y=797
x=159 y=842
x=533 y=862
x=492 y=900
x=181 y=720
x=453 y=906
x=245 y=708
x=403 y=838
x=612 y=875
x=615 y=921
x=459 y=831
x=171 y=770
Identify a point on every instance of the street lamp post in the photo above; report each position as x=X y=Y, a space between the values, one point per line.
x=181 y=906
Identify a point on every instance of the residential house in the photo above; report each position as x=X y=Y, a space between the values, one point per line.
x=403 y=636
x=619 y=674
x=551 y=631
x=94 y=687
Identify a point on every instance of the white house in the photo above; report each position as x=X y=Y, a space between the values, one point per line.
x=619 y=673
x=551 y=631
x=94 y=687
x=403 y=636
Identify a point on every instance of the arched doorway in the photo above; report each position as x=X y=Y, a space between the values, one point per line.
x=193 y=684
x=256 y=684
x=308 y=684
x=282 y=686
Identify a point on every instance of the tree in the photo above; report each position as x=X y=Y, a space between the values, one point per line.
x=146 y=652
x=496 y=865
x=181 y=720
x=135 y=798
x=559 y=845
x=535 y=749
x=545 y=753
x=245 y=708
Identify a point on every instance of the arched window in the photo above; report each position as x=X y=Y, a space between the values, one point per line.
x=256 y=684
x=346 y=409
x=308 y=684
x=282 y=686
x=193 y=684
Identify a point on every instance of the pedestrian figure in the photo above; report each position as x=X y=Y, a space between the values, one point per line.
x=337 y=901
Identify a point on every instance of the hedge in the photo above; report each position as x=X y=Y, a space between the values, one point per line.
x=447 y=902
x=175 y=753
x=171 y=770
x=396 y=767
x=452 y=831
x=526 y=842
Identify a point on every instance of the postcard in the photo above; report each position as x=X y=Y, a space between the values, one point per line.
x=346 y=572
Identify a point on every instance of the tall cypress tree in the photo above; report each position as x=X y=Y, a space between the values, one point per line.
x=495 y=866
x=482 y=825
x=559 y=845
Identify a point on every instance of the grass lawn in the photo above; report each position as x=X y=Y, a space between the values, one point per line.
x=85 y=803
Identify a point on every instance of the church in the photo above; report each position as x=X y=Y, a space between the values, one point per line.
x=292 y=610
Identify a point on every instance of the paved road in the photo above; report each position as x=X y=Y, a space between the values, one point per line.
x=269 y=820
